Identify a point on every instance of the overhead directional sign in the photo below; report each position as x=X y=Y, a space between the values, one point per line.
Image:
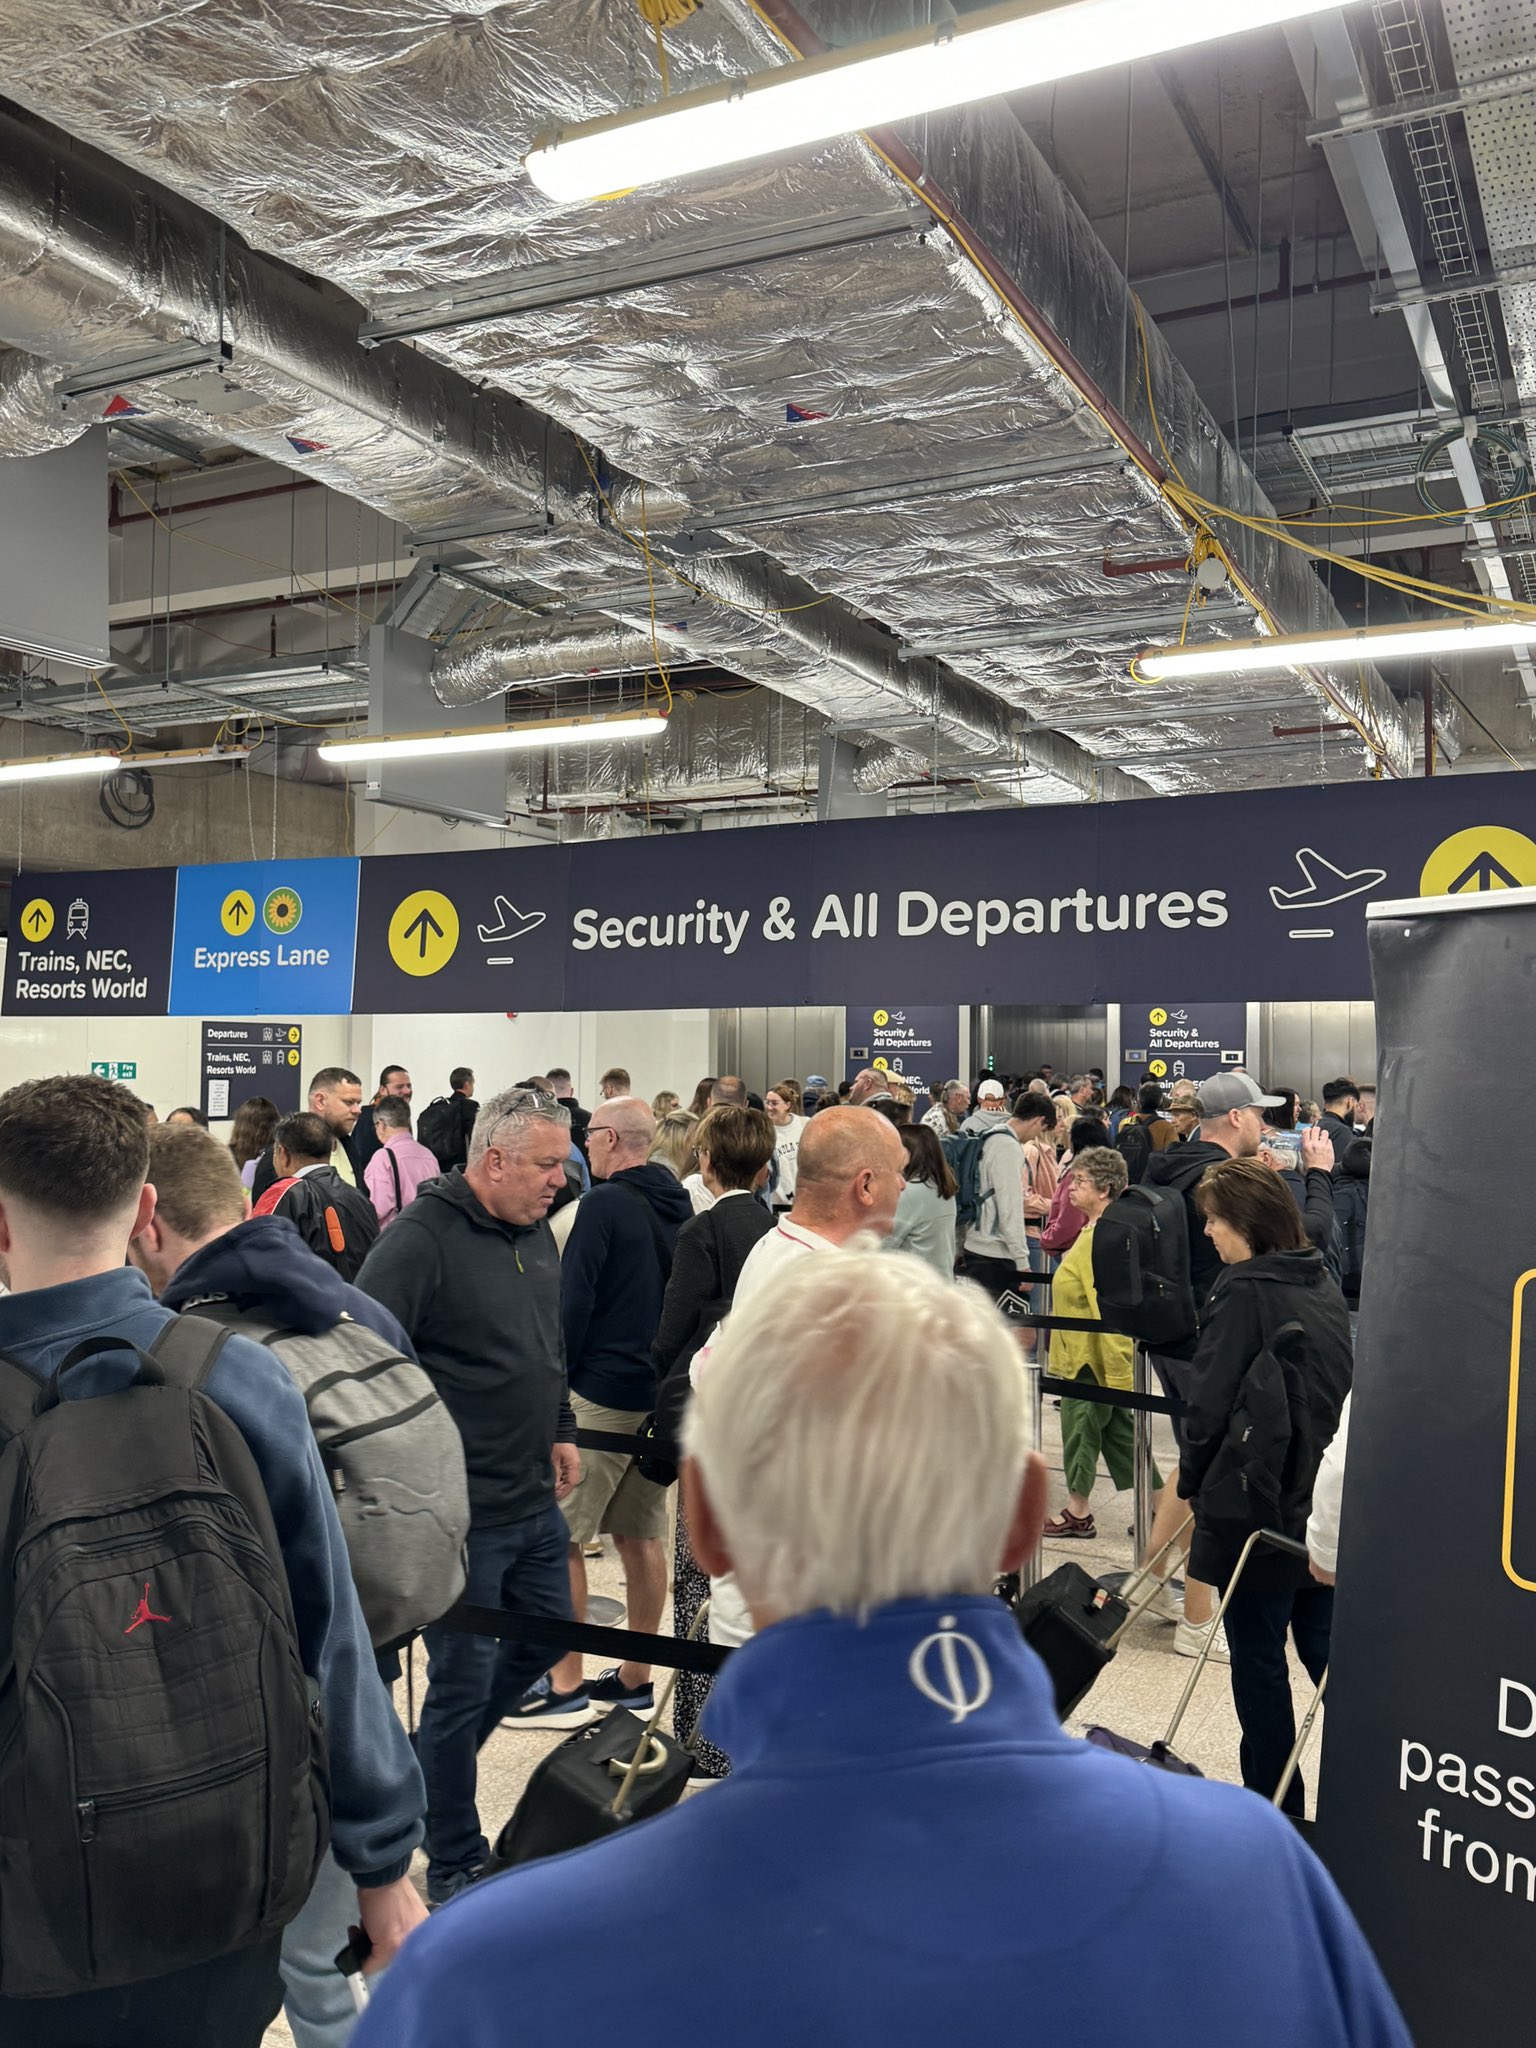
x=267 y=937
x=91 y=945
x=1241 y=898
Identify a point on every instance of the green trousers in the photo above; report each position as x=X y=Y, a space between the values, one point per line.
x=1091 y=1429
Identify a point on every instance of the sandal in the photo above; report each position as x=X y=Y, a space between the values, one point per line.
x=1068 y=1524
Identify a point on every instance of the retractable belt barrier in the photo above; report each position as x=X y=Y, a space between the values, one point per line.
x=631 y=1446
x=1110 y=1397
x=625 y=1643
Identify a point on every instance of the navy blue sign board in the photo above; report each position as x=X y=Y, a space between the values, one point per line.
x=1173 y=1041
x=90 y=945
x=1225 y=899
x=245 y=1059
x=919 y=1044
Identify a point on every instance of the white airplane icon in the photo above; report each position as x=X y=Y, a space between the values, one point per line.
x=1325 y=883
x=511 y=924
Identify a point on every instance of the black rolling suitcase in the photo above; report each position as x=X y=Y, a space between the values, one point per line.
x=1161 y=1754
x=614 y=1771
x=1074 y=1624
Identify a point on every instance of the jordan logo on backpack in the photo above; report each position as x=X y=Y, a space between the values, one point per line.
x=142 y=1613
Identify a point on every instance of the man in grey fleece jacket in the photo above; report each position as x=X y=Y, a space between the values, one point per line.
x=997 y=1243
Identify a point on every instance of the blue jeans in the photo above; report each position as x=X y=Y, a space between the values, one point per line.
x=315 y=1995
x=472 y=1681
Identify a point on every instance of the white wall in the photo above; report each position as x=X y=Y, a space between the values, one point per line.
x=168 y=1050
x=661 y=1049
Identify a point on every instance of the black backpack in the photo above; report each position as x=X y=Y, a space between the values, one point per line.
x=1134 y=1144
x=441 y=1128
x=338 y=1222
x=1141 y=1266
x=163 y=1793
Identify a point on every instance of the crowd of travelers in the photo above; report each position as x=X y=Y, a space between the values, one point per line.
x=277 y=1400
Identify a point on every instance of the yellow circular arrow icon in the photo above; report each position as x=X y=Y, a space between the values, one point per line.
x=237 y=913
x=1157 y=1068
x=882 y=1017
x=37 y=921
x=1157 y=1017
x=1480 y=858
x=423 y=933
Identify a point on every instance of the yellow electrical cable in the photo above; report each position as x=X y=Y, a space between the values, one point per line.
x=127 y=728
x=650 y=585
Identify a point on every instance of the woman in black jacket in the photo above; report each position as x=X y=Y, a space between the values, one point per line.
x=1263 y=1396
x=734 y=1146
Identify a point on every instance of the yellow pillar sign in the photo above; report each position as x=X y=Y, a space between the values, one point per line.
x=423 y=933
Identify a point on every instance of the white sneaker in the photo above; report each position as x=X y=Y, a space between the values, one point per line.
x=1165 y=1605
x=1190 y=1638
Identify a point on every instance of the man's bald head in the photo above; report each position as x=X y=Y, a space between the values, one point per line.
x=620 y=1135
x=849 y=1174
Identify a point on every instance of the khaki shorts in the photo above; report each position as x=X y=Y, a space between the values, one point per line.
x=612 y=1499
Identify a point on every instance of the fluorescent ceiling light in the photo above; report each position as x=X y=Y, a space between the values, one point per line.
x=920 y=71
x=1327 y=650
x=498 y=739
x=48 y=766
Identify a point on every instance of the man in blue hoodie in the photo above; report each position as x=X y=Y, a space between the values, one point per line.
x=910 y=1849
x=74 y=1155
x=617 y=1262
x=202 y=1246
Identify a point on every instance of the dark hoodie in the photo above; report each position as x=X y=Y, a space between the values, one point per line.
x=612 y=1282
x=264 y=1267
x=1181 y=1167
x=1249 y=1305
x=480 y=1300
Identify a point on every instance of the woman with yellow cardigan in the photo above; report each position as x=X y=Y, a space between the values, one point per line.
x=1090 y=1428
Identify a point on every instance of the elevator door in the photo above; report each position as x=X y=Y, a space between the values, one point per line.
x=1071 y=1039
x=765 y=1046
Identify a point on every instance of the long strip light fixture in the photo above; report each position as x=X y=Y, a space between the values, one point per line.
x=1281 y=651
x=49 y=767
x=498 y=739
x=918 y=71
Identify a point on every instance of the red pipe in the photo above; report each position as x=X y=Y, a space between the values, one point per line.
x=1156 y=565
x=297 y=483
x=257 y=604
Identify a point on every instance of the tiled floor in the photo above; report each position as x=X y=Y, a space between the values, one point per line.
x=1136 y=1696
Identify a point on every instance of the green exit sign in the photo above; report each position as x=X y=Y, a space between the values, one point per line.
x=116 y=1070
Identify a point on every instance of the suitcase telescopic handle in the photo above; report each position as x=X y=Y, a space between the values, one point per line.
x=1276 y=1542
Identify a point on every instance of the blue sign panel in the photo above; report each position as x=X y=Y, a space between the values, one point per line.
x=266 y=937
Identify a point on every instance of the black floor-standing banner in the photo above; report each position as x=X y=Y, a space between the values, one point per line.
x=1427 y=1804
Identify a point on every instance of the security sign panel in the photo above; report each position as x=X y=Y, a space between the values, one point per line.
x=269 y=937
x=90 y=945
x=1171 y=1041
x=920 y=1046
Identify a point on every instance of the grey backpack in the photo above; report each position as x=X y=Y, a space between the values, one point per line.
x=394 y=1458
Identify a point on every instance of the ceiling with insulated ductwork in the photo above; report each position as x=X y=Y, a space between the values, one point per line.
x=909 y=442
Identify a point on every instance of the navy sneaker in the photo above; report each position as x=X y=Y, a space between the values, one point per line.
x=542 y=1707
x=440 y=1889
x=609 y=1690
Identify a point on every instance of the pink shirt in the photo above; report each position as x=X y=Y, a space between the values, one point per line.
x=412 y=1162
